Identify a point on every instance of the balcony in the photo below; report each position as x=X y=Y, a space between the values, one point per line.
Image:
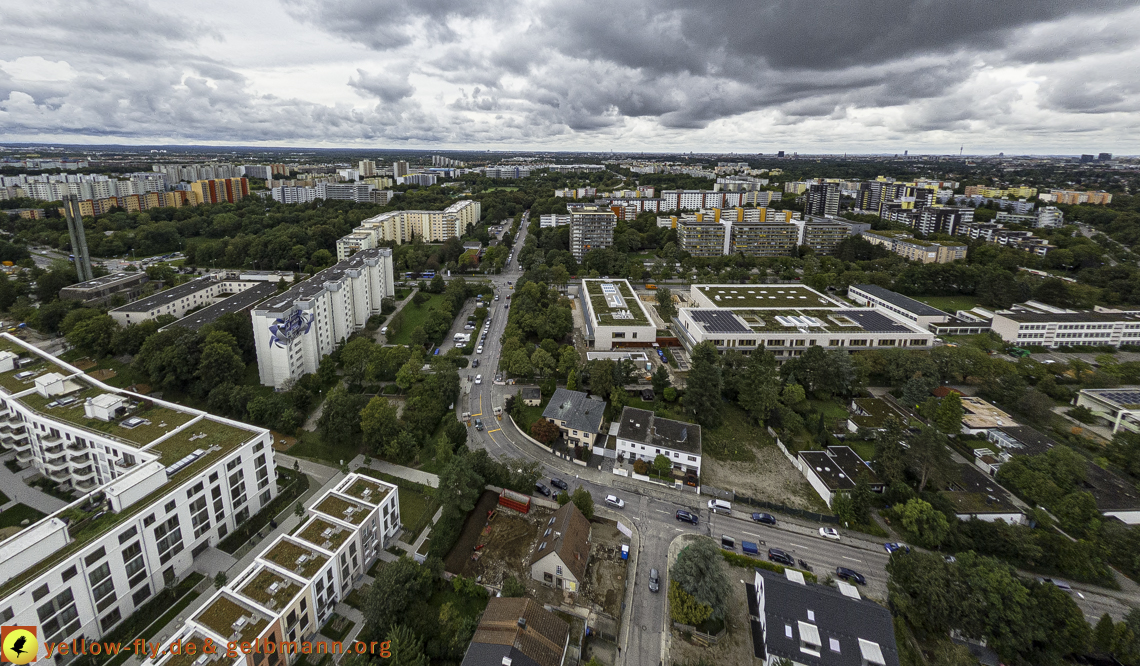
x=18 y=443
x=52 y=441
x=80 y=458
x=86 y=484
x=56 y=464
x=76 y=446
x=50 y=448
x=83 y=472
x=59 y=476
x=25 y=455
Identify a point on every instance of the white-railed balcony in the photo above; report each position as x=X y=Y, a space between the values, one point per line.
x=79 y=457
x=86 y=484
x=59 y=476
x=25 y=455
x=85 y=472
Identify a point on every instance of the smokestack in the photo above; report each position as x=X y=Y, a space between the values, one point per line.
x=78 y=238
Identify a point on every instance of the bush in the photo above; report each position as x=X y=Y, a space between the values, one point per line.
x=1082 y=414
x=640 y=467
x=446 y=531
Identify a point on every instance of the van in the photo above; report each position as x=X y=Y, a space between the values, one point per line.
x=720 y=506
x=383 y=330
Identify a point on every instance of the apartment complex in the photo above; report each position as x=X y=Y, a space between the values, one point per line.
x=160 y=484
x=923 y=251
x=754 y=232
x=204 y=291
x=939 y=219
x=290 y=589
x=551 y=220
x=822 y=199
x=1049 y=217
x=1020 y=191
x=615 y=316
x=220 y=190
x=591 y=228
x=787 y=319
x=401 y=226
x=1073 y=197
x=875 y=196
x=991 y=232
x=295 y=329
x=823 y=234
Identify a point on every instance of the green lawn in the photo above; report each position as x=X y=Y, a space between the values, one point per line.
x=866 y=450
x=735 y=437
x=414 y=316
x=467 y=606
x=3 y=499
x=311 y=445
x=950 y=304
x=529 y=416
x=416 y=510
x=17 y=514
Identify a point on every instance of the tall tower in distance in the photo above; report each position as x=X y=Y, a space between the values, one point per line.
x=78 y=238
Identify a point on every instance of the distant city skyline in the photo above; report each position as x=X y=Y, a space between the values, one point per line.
x=823 y=77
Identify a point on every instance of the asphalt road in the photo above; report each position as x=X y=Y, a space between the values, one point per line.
x=652 y=511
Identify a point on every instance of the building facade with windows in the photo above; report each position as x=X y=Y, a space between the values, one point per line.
x=295 y=329
x=642 y=435
x=401 y=226
x=1068 y=328
x=290 y=589
x=159 y=483
x=591 y=228
x=614 y=316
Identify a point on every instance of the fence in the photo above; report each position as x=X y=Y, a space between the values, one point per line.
x=731 y=496
x=700 y=637
x=529 y=438
x=783 y=449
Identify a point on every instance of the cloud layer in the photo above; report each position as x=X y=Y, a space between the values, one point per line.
x=746 y=76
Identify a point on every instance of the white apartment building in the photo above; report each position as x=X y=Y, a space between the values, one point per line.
x=787 y=319
x=400 y=226
x=642 y=435
x=553 y=220
x=203 y=291
x=1058 y=329
x=288 y=592
x=295 y=329
x=160 y=483
x=591 y=228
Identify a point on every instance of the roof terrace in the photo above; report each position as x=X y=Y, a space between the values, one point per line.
x=343 y=509
x=270 y=589
x=232 y=620
x=367 y=491
x=302 y=561
x=321 y=532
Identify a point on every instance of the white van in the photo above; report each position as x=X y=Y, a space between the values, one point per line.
x=383 y=330
x=720 y=506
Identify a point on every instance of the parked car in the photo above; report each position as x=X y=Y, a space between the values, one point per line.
x=727 y=542
x=478 y=379
x=541 y=487
x=850 y=575
x=479 y=349
x=891 y=547
x=654 y=581
x=766 y=518
x=615 y=501
x=559 y=483
x=687 y=517
x=829 y=533
x=475 y=363
x=781 y=557
x=478 y=424
x=1061 y=585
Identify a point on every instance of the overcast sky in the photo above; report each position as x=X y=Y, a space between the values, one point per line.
x=1019 y=76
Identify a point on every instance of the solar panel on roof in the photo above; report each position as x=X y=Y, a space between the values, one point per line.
x=719 y=322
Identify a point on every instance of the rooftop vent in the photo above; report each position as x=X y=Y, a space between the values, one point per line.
x=522 y=623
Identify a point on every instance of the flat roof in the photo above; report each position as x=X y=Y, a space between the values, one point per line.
x=611 y=299
x=839 y=467
x=269 y=588
x=287 y=555
x=343 y=509
x=764 y=296
x=876 y=412
x=836 y=321
x=1087 y=316
x=981 y=414
x=367 y=490
x=1031 y=442
x=898 y=300
x=310 y=288
x=223 y=615
x=106 y=281
x=1110 y=491
x=321 y=532
x=971 y=490
x=239 y=302
x=1124 y=397
x=168 y=296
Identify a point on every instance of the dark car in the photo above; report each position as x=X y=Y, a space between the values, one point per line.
x=850 y=575
x=654 y=581
x=541 y=487
x=478 y=424
x=687 y=516
x=558 y=483
x=766 y=518
x=475 y=363
x=777 y=555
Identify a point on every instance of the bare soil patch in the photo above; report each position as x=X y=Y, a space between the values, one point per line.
x=84 y=364
x=606 y=572
x=102 y=375
x=769 y=476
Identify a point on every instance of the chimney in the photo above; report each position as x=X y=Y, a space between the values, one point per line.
x=522 y=623
x=506 y=661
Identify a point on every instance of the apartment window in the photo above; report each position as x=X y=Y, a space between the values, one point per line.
x=142 y=595
x=129 y=534
x=110 y=620
x=95 y=557
x=148 y=521
x=6 y=615
x=69 y=573
x=170 y=506
x=214 y=477
x=233 y=463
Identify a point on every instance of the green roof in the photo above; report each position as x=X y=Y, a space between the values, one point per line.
x=286 y=553
x=603 y=311
x=763 y=296
x=221 y=615
x=337 y=506
x=367 y=490
x=162 y=420
x=270 y=589
x=314 y=533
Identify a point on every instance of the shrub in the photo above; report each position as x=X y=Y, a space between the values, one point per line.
x=640 y=466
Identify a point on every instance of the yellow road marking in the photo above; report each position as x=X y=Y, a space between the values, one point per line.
x=495 y=430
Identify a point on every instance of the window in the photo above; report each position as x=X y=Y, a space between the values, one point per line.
x=141 y=595
x=834 y=644
x=110 y=620
x=125 y=536
x=69 y=573
x=40 y=592
x=170 y=506
x=148 y=521
x=6 y=615
x=214 y=477
x=233 y=463
x=96 y=556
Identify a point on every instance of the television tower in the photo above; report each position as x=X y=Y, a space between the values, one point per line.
x=78 y=238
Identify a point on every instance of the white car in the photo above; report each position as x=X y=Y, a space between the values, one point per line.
x=615 y=502
x=478 y=379
x=479 y=349
x=829 y=533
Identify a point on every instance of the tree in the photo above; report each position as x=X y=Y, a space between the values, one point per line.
x=405 y=647
x=1036 y=405
x=928 y=457
x=543 y=430
x=684 y=607
x=379 y=423
x=519 y=364
x=698 y=572
x=1104 y=635
x=94 y=335
x=948 y=415
x=916 y=390
x=460 y=482
x=355 y=358
x=572 y=381
x=584 y=501
x=889 y=463
x=702 y=392
x=759 y=385
x=601 y=377
x=398 y=584
x=220 y=364
x=662 y=465
x=220 y=580
x=660 y=379
x=666 y=308
x=512 y=587
x=670 y=394
x=927 y=526
x=340 y=418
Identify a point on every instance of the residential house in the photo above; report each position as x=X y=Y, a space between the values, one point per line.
x=578 y=416
x=836 y=470
x=518 y=632
x=563 y=550
x=642 y=435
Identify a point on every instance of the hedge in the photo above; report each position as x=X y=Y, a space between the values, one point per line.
x=738 y=560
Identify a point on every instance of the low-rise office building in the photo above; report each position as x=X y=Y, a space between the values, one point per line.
x=295 y=329
x=979 y=416
x=615 y=316
x=159 y=484
x=787 y=319
x=642 y=435
x=1067 y=327
x=101 y=290
x=290 y=589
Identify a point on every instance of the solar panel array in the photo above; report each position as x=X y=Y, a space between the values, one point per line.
x=874 y=322
x=1122 y=397
x=719 y=322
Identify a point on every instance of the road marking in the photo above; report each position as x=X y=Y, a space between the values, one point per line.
x=851 y=558
x=756 y=536
x=796 y=545
x=495 y=430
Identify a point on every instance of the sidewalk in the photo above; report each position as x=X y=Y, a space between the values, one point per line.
x=17 y=490
x=414 y=475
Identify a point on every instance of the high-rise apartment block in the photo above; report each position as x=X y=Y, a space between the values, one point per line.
x=1077 y=197
x=702 y=237
x=297 y=328
x=822 y=199
x=159 y=484
x=401 y=226
x=399 y=169
x=220 y=190
x=591 y=228
x=942 y=219
x=754 y=232
x=823 y=234
x=366 y=168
